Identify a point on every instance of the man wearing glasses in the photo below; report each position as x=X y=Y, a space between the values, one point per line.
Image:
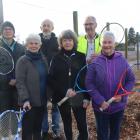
x=89 y=43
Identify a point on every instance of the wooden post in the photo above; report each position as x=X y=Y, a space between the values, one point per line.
x=137 y=43
x=126 y=44
x=75 y=22
x=107 y=26
x=1 y=14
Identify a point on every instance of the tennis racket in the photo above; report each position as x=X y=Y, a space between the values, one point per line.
x=6 y=62
x=135 y=68
x=117 y=29
x=10 y=125
x=77 y=87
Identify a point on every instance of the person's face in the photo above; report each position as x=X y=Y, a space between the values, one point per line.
x=8 y=33
x=108 y=45
x=33 y=46
x=90 y=26
x=46 y=27
x=67 y=44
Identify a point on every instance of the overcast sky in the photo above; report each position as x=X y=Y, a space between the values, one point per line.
x=27 y=15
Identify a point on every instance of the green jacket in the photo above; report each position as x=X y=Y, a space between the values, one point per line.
x=83 y=44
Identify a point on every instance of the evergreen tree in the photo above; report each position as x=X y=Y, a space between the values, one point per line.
x=131 y=37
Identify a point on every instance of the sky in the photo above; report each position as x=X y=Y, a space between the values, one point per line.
x=27 y=15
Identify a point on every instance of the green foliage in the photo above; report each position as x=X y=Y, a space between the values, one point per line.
x=131 y=37
x=120 y=47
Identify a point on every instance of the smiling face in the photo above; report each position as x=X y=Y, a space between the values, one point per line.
x=47 y=26
x=33 y=46
x=8 y=33
x=108 y=44
x=90 y=26
x=67 y=40
x=67 y=44
x=33 y=43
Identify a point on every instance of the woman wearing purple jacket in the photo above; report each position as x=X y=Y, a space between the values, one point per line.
x=102 y=79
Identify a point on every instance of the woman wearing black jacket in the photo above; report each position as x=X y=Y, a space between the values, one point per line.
x=62 y=74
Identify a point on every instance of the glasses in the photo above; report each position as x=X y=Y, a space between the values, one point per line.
x=8 y=29
x=90 y=24
x=107 y=42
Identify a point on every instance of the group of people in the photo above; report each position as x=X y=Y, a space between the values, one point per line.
x=46 y=69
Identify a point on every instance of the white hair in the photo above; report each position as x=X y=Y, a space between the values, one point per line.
x=107 y=34
x=49 y=22
x=33 y=37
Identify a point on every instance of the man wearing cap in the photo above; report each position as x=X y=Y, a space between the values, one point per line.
x=8 y=92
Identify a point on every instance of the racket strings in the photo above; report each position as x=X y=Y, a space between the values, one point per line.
x=6 y=61
x=8 y=125
x=117 y=29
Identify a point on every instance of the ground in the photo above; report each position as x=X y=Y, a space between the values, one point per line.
x=130 y=129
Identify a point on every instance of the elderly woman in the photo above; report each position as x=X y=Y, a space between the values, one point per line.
x=31 y=75
x=63 y=71
x=108 y=67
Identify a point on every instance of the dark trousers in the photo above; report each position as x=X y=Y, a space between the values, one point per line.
x=80 y=116
x=31 y=124
x=108 y=125
x=9 y=99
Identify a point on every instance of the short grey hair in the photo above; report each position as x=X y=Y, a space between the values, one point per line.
x=67 y=34
x=33 y=37
x=91 y=18
x=107 y=34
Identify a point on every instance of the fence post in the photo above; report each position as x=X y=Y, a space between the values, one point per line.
x=137 y=43
x=126 y=44
x=107 y=26
x=75 y=22
x=1 y=14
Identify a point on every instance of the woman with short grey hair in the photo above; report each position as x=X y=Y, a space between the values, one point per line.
x=103 y=77
x=31 y=75
x=68 y=34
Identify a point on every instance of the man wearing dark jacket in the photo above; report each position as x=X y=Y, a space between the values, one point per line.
x=49 y=48
x=8 y=92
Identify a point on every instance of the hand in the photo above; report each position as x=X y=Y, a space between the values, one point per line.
x=70 y=92
x=12 y=82
x=104 y=105
x=92 y=56
x=86 y=103
x=117 y=99
x=26 y=105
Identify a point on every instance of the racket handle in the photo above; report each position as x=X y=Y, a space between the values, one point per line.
x=109 y=102
x=62 y=101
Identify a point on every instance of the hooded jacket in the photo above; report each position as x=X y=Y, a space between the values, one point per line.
x=103 y=77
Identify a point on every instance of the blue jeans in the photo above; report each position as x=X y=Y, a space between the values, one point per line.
x=108 y=125
x=55 y=120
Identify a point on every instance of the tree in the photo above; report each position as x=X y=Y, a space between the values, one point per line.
x=131 y=37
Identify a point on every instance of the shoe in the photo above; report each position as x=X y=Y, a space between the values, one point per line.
x=46 y=136
x=56 y=136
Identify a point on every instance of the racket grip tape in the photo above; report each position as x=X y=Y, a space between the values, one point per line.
x=62 y=101
x=109 y=102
